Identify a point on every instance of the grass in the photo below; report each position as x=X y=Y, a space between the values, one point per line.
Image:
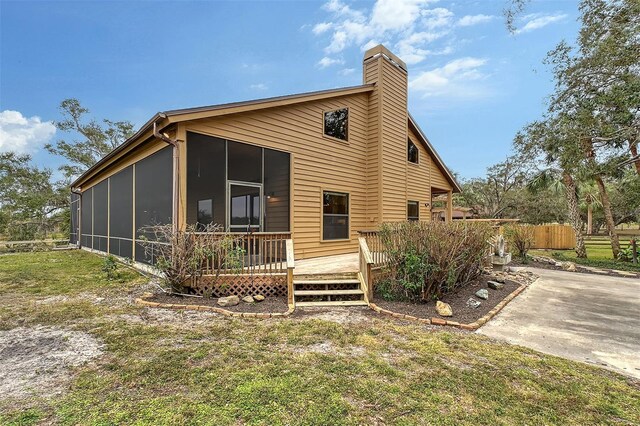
x=165 y=367
x=598 y=256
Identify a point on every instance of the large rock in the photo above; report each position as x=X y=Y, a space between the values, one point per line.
x=473 y=303
x=496 y=285
x=248 y=299
x=569 y=266
x=483 y=293
x=229 y=301
x=258 y=298
x=443 y=309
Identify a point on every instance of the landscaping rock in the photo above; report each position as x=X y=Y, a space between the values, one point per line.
x=444 y=309
x=569 y=266
x=483 y=293
x=229 y=301
x=248 y=299
x=499 y=280
x=258 y=298
x=496 y=285
x=473 y=303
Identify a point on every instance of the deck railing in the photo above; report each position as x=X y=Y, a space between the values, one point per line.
x=375 y=246
x=259 y=253
x=365 y=275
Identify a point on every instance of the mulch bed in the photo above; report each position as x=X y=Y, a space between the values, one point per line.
x=268 y=305
x=458 y=301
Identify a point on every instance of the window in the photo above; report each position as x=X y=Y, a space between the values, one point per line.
x=412 y=152
x=205 y=213
x=336 y=123
x=413 y=210
x=335 y=216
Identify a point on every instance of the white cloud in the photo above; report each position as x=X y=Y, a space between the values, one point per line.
x=21 y=134
x=408 y=25
x=469 y=20
x=536 y=21
x=459 y=78
x=327 y=62
x=347 y=71
x=258 y=86
x=322 y=27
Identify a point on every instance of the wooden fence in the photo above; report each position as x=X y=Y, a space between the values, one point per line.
x=557 y=237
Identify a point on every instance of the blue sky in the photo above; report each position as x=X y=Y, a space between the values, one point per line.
x=472 y=84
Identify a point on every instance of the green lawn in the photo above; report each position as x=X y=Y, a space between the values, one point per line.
x=165 y=367
x=599 y=255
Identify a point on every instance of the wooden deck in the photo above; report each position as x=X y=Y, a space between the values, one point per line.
x=338 y=264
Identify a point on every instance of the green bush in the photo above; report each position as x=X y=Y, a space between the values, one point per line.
x=427 y=260
x=626 y=254
x=520 y=239
x=110 y=267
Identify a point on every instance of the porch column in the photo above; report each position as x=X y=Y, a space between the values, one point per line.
x=449 y=215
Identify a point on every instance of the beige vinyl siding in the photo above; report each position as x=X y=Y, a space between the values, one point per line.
x=374 y=210
x=419 y=179
x=319 y=163
x=438 y=180
x=394 y=142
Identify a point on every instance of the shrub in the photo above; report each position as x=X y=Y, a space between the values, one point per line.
x=626 y=254
x=180 y=255
x=426 y=260
x=520 y=238
x=110 y=267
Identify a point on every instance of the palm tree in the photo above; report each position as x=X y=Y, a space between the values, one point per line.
x=589 y=198
x=561 y=181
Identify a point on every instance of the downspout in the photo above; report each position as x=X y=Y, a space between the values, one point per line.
x=79 y=193
x=176 y=170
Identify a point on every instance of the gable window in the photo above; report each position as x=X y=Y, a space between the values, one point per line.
x=335 y=216
x=336 y=123
x=412 y=152
x=413 y=211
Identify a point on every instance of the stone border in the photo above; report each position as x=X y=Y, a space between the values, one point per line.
x=439 y=321
x=207 y=308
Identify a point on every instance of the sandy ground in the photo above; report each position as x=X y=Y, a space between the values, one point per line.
x=36 y=361
x=589 y=318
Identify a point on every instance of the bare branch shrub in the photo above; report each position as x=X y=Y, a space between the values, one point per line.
x=430 y=259
x=521 y=238
x=180 y=255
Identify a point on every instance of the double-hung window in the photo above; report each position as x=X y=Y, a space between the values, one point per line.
x=335 y=216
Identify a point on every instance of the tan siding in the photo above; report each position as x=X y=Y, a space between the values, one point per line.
x=418 y=179
x=319 y=163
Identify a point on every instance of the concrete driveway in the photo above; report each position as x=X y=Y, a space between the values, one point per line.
x=584 y=317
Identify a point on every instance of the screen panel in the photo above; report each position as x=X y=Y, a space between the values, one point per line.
x=100 y=213
x=73 y=231
x=121 y=204
x=206 y=179
x=276 y=190
x=154 y=193
x=244 y=162
x=86 y=218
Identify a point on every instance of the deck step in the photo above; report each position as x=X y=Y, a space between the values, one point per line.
x=332 y=303
x=343 y=281
x=327 y=292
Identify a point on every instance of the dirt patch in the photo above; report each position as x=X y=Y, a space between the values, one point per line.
x=458 y=301
x=37 y=361
x=268 y=305
x=328 y=348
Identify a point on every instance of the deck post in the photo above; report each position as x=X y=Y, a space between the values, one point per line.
x=290 y=268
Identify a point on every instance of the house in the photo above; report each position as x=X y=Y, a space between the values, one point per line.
x=321 y=166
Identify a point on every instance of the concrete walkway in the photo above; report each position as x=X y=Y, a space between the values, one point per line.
x=584 y=317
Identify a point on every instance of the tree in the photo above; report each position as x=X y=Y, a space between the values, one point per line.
x=495 y=196
x=549 y=143
x=97 y=139
x=30 y=201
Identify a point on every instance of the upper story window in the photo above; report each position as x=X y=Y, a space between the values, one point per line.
x=336 y=123
x=412 y=152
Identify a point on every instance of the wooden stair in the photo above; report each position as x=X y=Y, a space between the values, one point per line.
x=328 y=290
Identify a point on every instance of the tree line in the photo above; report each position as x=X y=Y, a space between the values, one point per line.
x=578 y=162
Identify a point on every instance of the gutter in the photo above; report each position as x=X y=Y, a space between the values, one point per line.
x=176 y=169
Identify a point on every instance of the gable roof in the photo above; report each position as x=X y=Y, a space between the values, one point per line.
x=166 y=118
